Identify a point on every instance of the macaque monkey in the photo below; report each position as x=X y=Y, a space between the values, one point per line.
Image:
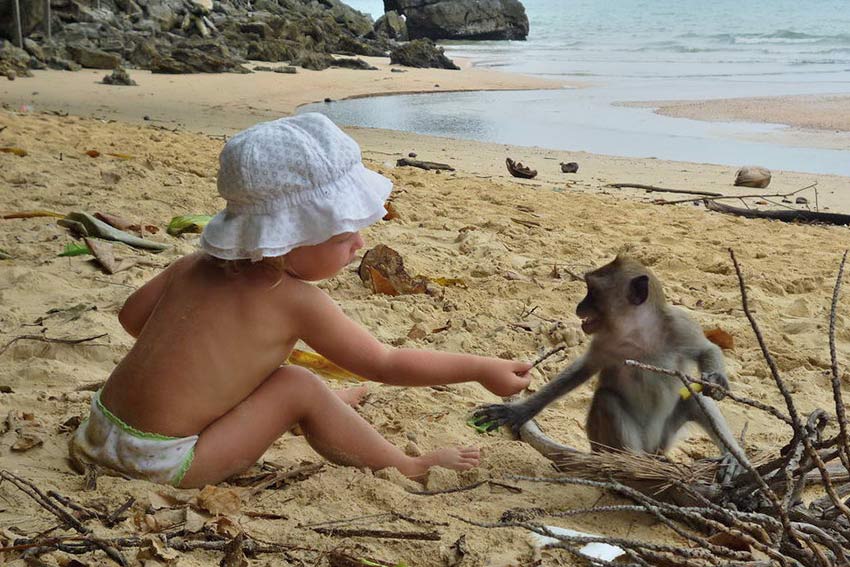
x=627 y=317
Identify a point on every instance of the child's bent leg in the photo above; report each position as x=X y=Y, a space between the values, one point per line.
x=293 y=395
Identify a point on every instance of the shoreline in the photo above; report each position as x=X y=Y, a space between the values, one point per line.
x=220 y=104
x=224 y=103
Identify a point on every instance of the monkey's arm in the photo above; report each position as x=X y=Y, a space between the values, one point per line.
x=515 y=414
x=711 y=365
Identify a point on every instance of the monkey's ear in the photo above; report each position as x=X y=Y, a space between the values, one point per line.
x=638 y=290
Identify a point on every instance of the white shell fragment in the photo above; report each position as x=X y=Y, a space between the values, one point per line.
x=602 y=551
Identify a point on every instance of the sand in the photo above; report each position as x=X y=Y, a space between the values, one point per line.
x=461 y=224
x=224 y=103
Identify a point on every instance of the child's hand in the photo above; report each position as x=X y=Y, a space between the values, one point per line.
x=505 y=377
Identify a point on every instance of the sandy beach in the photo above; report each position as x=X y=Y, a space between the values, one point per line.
x=513 y=243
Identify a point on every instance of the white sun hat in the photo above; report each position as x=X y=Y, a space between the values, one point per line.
x=291 y=182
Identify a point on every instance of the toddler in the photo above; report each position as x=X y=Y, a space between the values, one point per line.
x=213 y=330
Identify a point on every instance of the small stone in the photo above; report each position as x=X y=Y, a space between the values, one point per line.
x=412 y=450
x=146 y=117
x=411 y=155
x=437 y=86
x=394 y=70
x=569 y=167
x=4 y=389
x=327 y=100
x=417 y=332
x=802 y=201
x=11 y=75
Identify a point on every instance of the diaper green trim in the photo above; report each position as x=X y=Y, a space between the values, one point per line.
x=129 y=428
x=184 y=468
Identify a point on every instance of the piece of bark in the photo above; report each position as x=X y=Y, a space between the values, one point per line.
x=426 y=165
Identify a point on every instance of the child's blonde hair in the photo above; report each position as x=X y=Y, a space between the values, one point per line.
x=273 y=265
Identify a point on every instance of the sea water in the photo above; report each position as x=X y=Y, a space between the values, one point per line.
x=641 y=50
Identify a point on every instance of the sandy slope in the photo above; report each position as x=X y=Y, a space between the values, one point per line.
x=452 y=224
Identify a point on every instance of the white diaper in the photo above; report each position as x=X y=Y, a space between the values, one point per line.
x=103 y=439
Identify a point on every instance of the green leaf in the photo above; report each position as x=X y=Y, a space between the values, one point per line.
x=483 y=427
x=5 y=255
x=187 y=223
x=73 y=249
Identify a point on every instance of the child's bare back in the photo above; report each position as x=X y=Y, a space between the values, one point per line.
x=206 y=340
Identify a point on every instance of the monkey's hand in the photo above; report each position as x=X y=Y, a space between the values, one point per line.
x=715 y=385
x=494 y=416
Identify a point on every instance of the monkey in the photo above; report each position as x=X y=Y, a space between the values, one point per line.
x=627 y=316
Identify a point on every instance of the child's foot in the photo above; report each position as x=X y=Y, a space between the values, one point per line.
x=455 y=458
x=353 y=396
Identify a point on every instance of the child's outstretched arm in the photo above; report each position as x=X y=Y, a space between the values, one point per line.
x=324 y=327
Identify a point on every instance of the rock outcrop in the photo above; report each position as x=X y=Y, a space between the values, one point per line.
x=462 y=19
x=189 y=36
x=421 y=53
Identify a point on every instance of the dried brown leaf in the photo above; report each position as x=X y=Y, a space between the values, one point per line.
x=26 y=440
x=20 y=152
x=219 y=501
x=92 y=153
x=721 y=338
x=392 y=212
x=382 y=270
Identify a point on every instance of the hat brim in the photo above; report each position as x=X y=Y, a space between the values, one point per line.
x=349 y=204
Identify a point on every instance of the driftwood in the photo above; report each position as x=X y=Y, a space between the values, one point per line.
x=785 y=215
x=426 y=165
x=654 y=189
x=516 y=169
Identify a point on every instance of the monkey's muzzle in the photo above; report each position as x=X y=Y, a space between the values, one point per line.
x=589 y=325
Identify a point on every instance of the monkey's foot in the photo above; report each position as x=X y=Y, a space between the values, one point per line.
x=728 y=468
x=454 y=458
x=353 y=397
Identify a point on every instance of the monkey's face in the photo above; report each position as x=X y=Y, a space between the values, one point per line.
x=614 y=300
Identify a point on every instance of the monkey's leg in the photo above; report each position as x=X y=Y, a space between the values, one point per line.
x=610 y=425
x=712 y=413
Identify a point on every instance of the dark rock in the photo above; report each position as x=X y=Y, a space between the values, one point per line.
x=801 y=201
x=397 y=70
x=287 y=69
x=61 y=64
x=329 y=100
x=119 y=76
x=348 y=44
x=34 y=49
x=569 y=167
x=269 y=51
x=198 y=56
x=391 y=25
x=32 y=16
x=93 y=58
x=462 y=19
x=421 y=53
x=353 y=63
x=314 y=61
x=13 y=60
x=260 y=29
x=411 y=155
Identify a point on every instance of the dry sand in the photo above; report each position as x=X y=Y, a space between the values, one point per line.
x=461 y=224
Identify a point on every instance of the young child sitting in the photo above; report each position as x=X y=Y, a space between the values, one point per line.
x=215 y=327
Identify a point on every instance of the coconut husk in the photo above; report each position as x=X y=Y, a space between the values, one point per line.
x=518 y=170
x=752 y=176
